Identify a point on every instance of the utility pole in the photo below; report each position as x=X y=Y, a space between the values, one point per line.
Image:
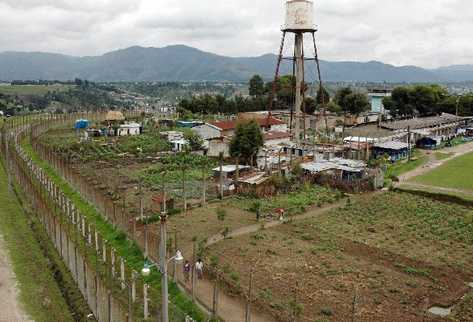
x=409 y=143
x=164 y=269
x=221 y=174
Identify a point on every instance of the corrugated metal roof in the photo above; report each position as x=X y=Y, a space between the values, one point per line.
x=392 y=145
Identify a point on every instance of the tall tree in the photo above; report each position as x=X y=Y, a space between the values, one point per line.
x=256 y=86
x=310 y=105
x=247 y=141
x=352 y=103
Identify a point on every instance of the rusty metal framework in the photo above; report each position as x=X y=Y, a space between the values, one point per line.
x=273 y=96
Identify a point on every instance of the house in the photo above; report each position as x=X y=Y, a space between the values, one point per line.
x=267 y=124
x=376 y=96
x=179 y=145
x=172 y=135
x=444 y=125
x=217 y=146
x=275 y=138
x=188 y=124
x=207 y=131
x=129 y=129
x=229 y=171
x=342 y=169
x=429 y=142
x=229 y=174
x=114 y=116
x=396 y=150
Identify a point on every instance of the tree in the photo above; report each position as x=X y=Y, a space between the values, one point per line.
x=422 y=100
x=310 y=105
x=247 y=141
x=195 y=140
x=351 y=102
x=256 y=86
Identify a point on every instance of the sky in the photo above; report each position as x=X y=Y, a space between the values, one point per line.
x=427 y=33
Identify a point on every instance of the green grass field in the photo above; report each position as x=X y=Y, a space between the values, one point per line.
x=401 y=167
x=39 y=292
x=456 y=174
x=33 y=89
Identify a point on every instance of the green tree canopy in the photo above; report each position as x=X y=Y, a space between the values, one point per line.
x=247 y=141
x=351 y=102
x=310 y=105
x=256 y=86
x=421 y=100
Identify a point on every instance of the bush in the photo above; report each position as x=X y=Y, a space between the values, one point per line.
x=221 y=214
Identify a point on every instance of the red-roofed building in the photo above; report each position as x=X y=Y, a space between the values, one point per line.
x=276 y=138
x=227 y=128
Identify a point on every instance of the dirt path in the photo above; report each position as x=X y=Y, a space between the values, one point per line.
x=10 y=308
x=420 y=186
x=433 y=163
x=256 y=227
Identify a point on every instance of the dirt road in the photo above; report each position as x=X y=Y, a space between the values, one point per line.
x=10 y=308
x=433 y=163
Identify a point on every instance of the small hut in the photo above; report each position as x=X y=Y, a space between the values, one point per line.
x=114 y=116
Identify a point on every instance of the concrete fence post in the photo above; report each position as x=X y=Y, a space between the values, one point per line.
x=122 y=272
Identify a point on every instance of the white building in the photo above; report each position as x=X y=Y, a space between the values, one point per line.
x=179 y=145
x=129 y=129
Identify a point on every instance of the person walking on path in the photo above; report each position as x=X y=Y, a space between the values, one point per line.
x=199 y=268
x=187 y=271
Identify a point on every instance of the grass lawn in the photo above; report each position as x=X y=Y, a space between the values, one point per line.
x=33 y=89
x=39 y=292
x=456 y=174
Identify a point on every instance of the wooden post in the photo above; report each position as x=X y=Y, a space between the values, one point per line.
x=193 y=270
x=174 y=273
x=122 y=272
x=215 y=298
x=145 y=301
x=248 y=302
x=221 y=174
x=133 y=286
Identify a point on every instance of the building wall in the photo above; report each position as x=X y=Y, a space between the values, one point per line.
x=128 y=131
x=275 y=142
x=217 y=146
x=207 y=132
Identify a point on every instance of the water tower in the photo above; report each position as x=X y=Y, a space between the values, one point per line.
x=300 y=22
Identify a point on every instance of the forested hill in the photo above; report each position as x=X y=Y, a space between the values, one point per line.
x=182 y=63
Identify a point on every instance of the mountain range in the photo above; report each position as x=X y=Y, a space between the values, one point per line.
x=183 y=63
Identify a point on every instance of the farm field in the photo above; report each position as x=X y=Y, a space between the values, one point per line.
x=454 y=174
x=381 y=257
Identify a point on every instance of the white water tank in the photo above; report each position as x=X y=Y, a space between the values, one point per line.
x=299 y=15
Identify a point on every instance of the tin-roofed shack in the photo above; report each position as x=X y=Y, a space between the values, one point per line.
x=396 y=150
x=343 y=174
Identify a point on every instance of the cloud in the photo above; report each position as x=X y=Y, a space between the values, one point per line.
x=402 y=32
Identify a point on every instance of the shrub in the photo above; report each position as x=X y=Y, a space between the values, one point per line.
x=221 y=214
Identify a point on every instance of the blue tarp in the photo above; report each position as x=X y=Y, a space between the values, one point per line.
x=81 y=124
